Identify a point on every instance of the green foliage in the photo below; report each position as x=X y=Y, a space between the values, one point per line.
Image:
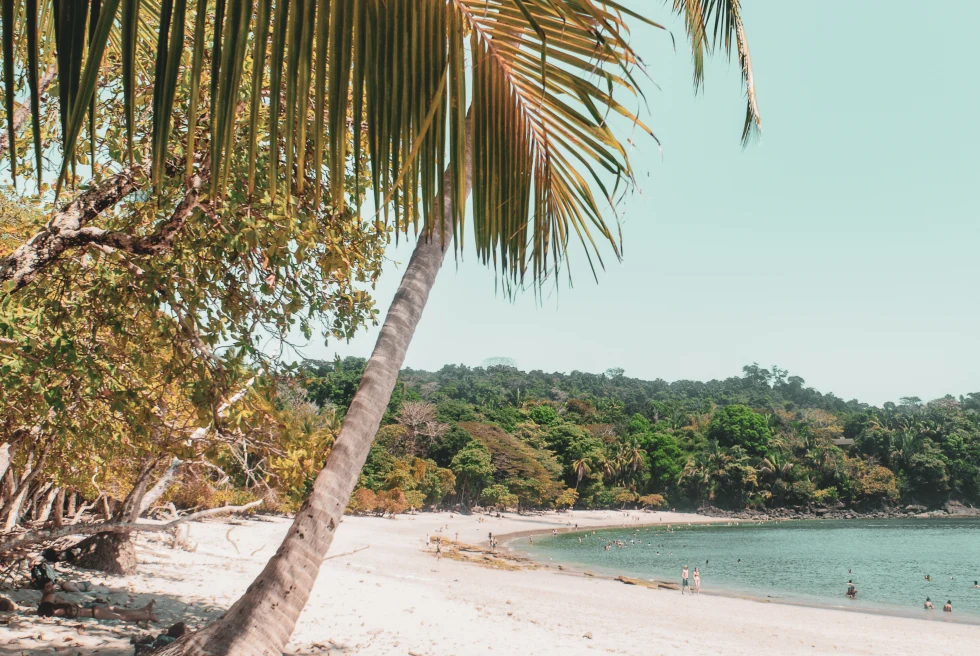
x=446 y=446
x=543 y=415
x=737 y=425
x=473 y=468
x=498 y=496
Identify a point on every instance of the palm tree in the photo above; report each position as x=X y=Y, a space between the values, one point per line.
x=514 y=100
x=582 y=469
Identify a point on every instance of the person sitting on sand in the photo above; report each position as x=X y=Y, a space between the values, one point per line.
x=53 y=606
x=851 y=590
x=684 y=583
x=928 y=605
x=948 y=608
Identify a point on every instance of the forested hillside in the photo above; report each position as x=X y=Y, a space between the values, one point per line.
x=501 y=437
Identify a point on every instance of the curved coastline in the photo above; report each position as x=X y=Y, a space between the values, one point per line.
x=613 y=574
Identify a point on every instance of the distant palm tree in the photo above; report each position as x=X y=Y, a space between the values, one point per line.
x=512 y=100
x=581 y=468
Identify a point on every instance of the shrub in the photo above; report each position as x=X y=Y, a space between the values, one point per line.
x=362 y=501
x=622 y=496
x=391 y=502
x=415 y=499
x=544 y=415
x=653 y=501
x=498 y=496
x=566 y=499
x=828 y=495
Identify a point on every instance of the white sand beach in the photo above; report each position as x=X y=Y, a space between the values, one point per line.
x=394 y=597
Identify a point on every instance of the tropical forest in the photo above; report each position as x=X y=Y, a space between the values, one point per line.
x=499 y=437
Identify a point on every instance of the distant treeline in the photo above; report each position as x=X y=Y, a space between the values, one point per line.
x=505 y=438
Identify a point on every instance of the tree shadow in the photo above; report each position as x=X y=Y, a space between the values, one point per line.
x=26 y=634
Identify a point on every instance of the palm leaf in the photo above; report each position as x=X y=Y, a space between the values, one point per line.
x=543 y=86
x=713 y=23
x=7 y=15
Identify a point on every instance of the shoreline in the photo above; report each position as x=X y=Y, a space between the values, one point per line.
x=382 y=592
x=611 y=574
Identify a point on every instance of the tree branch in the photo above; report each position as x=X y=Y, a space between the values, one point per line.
x=64 y=230
x=69 y=227
x=116 y=527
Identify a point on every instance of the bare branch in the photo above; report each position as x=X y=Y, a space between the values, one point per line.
x=117 y=527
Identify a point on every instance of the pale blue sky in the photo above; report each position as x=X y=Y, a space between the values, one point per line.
x=842 y=247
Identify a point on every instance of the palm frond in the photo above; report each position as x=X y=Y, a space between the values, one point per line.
x=711 y=23
x=382 y=93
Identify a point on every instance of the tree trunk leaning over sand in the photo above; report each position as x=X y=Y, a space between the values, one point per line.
x=261 y=622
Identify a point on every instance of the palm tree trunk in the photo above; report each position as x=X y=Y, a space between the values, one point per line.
x=261 y=622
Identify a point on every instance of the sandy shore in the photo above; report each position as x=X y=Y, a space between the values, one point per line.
x=394 y=597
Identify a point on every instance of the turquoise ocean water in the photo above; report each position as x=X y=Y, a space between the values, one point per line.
x=808 y=562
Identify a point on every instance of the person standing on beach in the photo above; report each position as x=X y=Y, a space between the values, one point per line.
x=684 y=583
x=697 y=581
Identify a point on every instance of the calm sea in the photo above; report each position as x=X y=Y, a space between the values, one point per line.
x=807 y=562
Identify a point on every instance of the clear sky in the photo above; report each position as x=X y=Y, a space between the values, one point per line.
x=843 y=246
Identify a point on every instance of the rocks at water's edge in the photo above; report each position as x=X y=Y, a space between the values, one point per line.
x=949 y=509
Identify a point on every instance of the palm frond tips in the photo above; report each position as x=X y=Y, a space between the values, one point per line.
x=342 y=95
x=713 y=23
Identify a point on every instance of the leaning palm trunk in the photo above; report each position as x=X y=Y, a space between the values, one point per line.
x=261 y=622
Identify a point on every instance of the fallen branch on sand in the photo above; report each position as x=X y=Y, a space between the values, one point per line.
x=35 y=537
x=347 y=553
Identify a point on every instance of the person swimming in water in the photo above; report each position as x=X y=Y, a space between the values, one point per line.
x=948 y=608
x=851 y=590
x=928 y=605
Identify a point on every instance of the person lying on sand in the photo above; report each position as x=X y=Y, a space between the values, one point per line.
x=928 y=605
x=53 y=606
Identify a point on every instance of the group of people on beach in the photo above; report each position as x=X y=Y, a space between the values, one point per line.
x=694 y=587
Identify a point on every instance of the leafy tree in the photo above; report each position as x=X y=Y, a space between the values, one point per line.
x=473 y=469
x=738 y=425
x=498 y=496
x=448 y=445
x=406 y=156
x=665 y=459
x=566 y=499
x=544 y=415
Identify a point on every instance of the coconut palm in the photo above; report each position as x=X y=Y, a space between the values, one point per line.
x=424 y=101
x=582 y=468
